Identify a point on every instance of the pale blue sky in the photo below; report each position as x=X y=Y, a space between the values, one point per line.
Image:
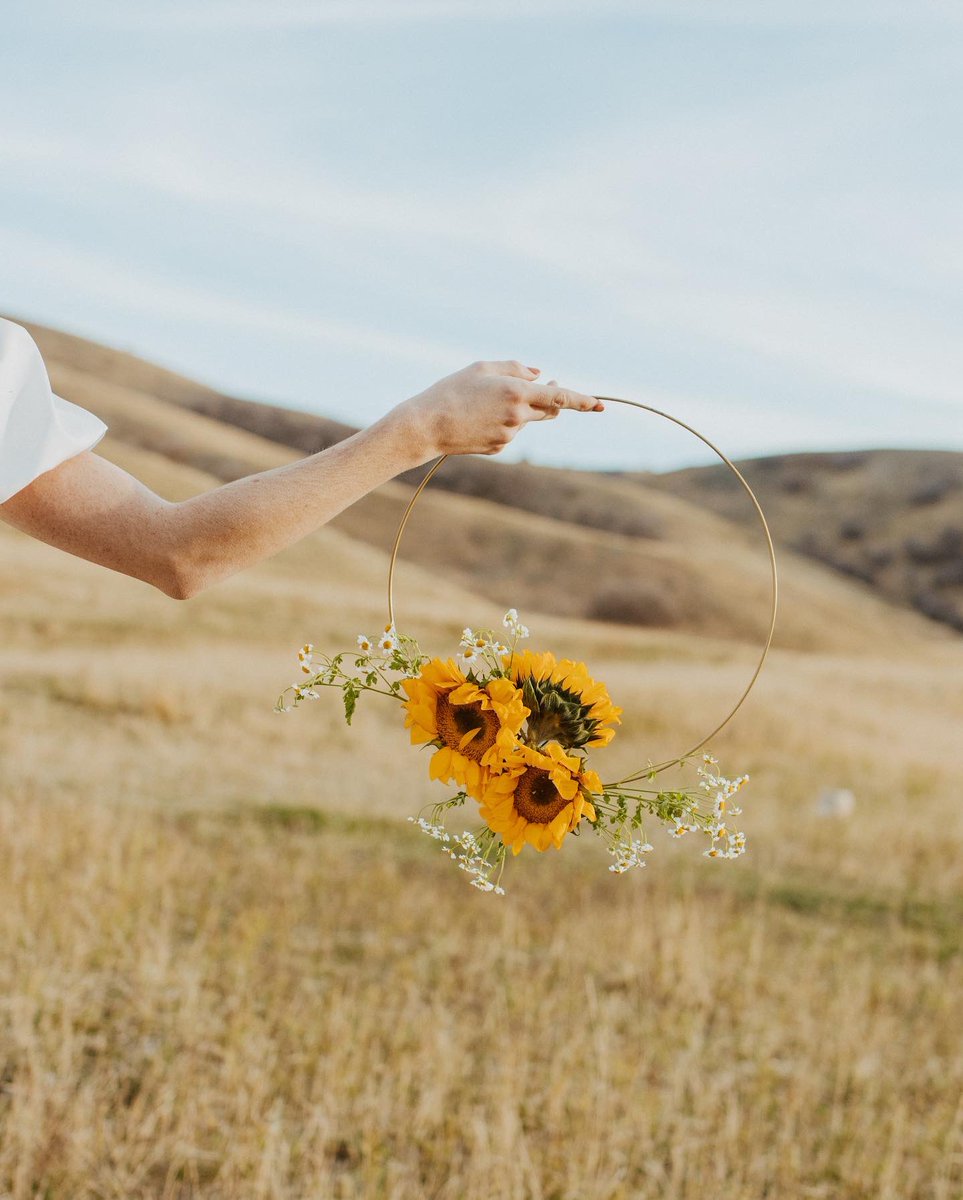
x=749 y=212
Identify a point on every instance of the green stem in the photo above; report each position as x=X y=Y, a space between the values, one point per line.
x=347 y=679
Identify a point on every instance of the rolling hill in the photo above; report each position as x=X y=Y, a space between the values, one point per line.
x=560 y=542
x=892 y=519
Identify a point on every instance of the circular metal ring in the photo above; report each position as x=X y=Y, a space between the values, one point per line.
x=649 y=769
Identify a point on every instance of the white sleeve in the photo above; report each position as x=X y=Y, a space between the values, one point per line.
x=38 y=430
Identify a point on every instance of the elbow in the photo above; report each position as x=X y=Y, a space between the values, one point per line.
x=179 y=580
x=176 y=563
x=180 y=590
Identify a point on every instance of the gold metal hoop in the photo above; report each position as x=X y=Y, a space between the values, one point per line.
x=649 y=769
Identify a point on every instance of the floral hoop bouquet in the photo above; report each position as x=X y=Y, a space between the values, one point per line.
x=511 y=729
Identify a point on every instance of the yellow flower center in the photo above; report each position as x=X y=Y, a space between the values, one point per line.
x=537 y=799
x=458 y=722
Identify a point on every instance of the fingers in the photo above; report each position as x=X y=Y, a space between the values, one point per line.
x=550 y=399
x=545 y=414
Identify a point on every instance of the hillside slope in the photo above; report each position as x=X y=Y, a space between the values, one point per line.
x=890 y=518
x=587 y=546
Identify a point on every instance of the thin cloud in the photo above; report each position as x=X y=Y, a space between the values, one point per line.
x=863 y=341
x=308 y=14
x=95 y=276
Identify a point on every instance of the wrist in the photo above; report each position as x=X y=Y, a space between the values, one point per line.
x=409 y=436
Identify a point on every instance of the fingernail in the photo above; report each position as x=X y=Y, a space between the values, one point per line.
x=535 y=370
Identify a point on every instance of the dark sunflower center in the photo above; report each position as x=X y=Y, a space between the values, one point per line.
x=537 y=798
x=455 y=720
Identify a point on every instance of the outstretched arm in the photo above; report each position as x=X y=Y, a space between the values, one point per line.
x=93 y=509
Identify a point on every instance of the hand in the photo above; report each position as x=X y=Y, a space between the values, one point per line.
x=479 y=409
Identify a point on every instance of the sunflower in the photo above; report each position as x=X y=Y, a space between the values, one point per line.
x=567 y=705
x=474 y=727
x=539 y=798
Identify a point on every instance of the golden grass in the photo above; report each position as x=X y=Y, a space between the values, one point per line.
x=249 y=1006
x=229 y=969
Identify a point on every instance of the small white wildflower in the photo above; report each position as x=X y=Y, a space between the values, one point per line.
x=387 y=644
x=464 y=851
x=468 y=659
x=510 y=619
x=628 y=855
x=433 y=830
x=364 y=643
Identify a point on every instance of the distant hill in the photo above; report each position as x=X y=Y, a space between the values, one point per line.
x=577 y=544
x=892 y=519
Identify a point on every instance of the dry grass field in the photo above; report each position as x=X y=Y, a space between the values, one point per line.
x=230 y=969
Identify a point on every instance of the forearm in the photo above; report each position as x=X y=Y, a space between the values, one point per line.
x=91 y=508
x=223 y=531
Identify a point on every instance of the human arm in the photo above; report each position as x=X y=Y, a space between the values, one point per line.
x=93 y=509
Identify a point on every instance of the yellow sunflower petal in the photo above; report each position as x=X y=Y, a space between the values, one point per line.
x=527 y=662
x=468 y=693
x=566 y=785
x=591 y=782
x=560 y=827
x=558 y=755
x=440 y=766
x=534 y=835
x=442 y=674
